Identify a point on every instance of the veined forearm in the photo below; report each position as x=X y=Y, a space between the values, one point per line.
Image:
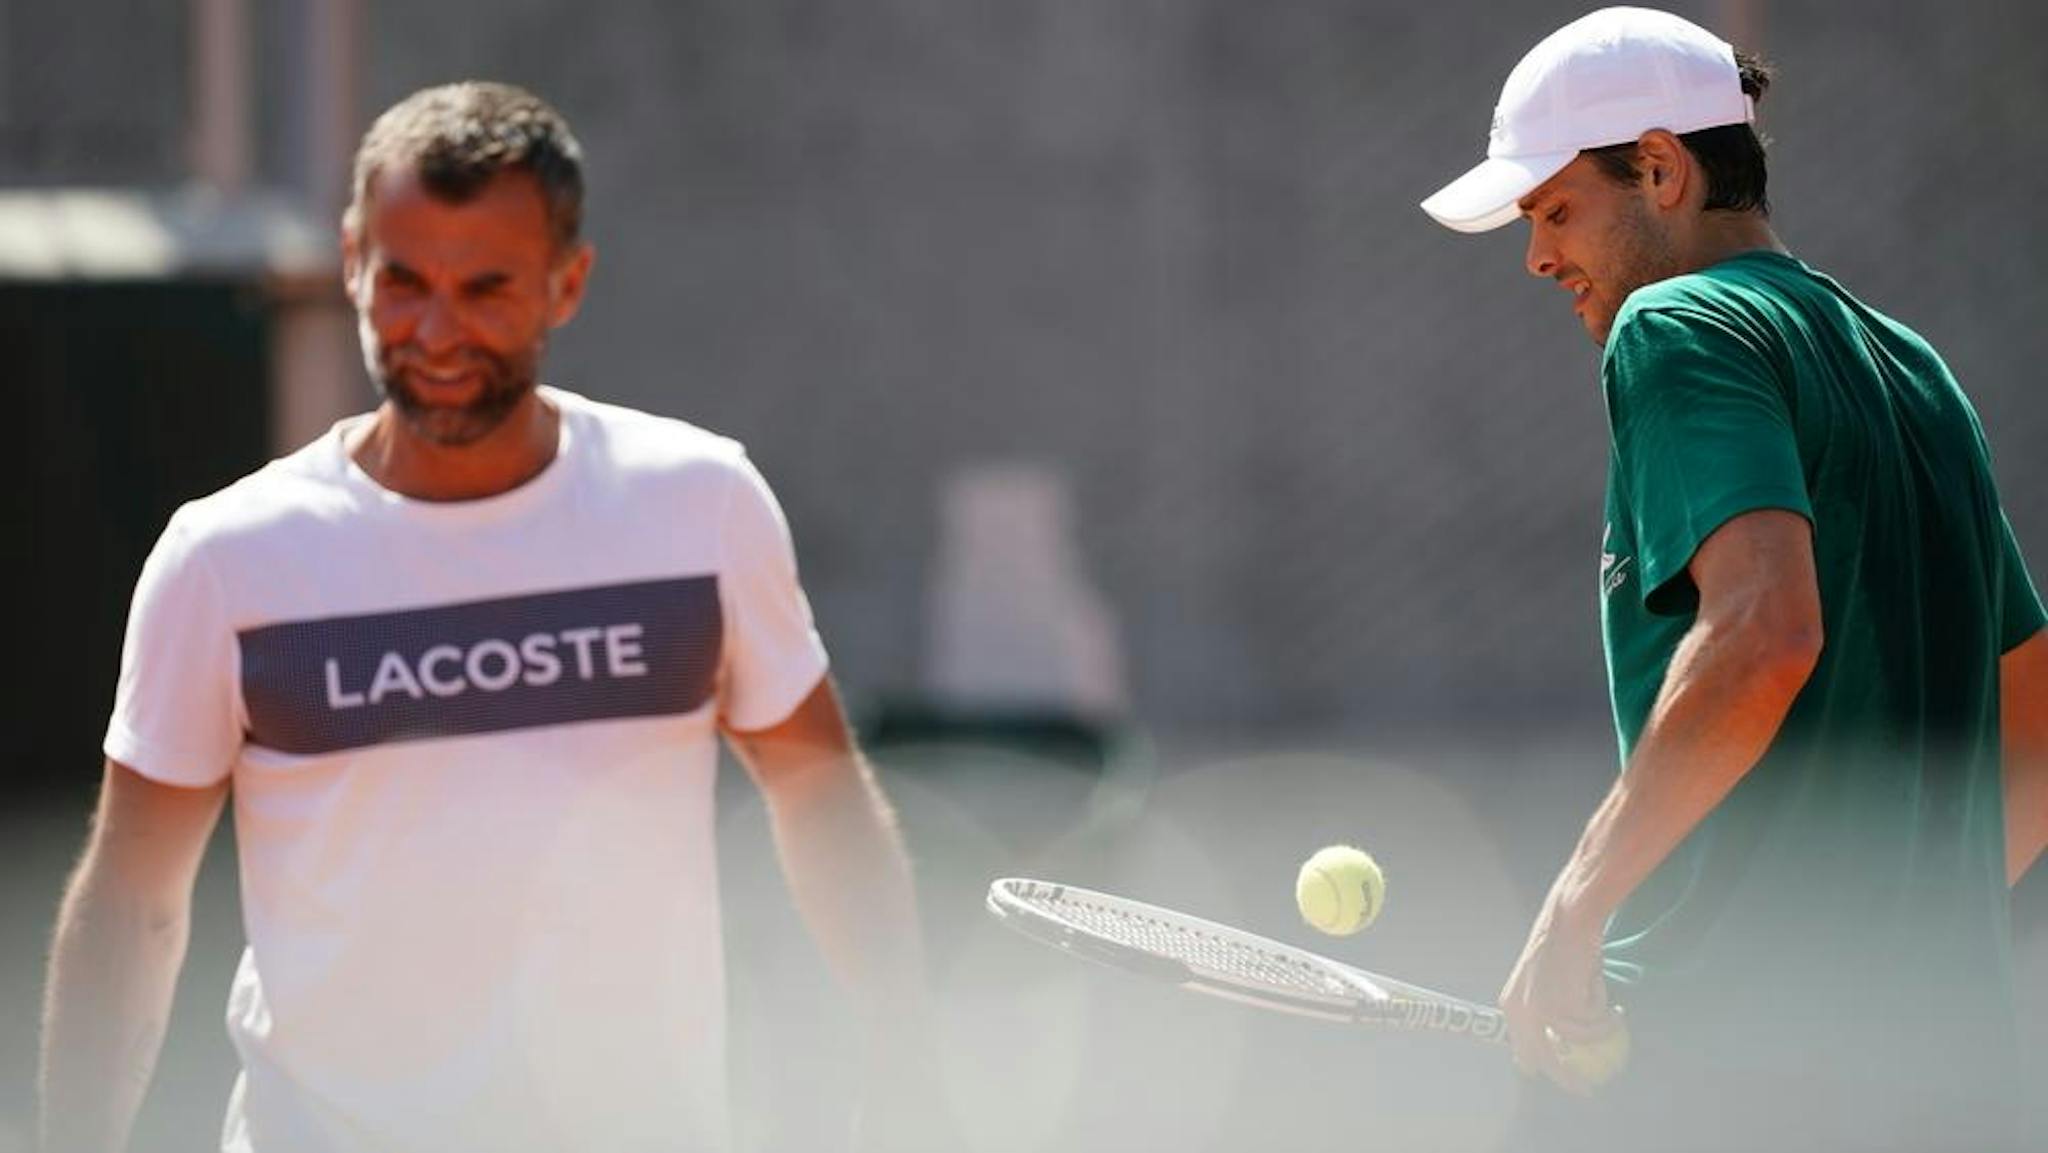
x=113 y=970
x=1727 y=692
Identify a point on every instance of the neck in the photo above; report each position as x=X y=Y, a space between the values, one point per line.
x=516 y=451
x=1721 y=235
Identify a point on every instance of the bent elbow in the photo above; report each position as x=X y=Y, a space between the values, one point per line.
x=1792 y=654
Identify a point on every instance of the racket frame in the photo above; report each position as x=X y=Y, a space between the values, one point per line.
x=1353 y=995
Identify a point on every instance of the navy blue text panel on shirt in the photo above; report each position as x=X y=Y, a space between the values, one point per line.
x=631 y=650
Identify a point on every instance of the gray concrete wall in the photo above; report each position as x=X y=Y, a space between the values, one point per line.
x=1336 y=468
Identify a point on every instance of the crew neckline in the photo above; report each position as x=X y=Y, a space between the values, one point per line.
x=534 y=490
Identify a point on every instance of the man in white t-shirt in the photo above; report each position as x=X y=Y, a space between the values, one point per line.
x=462 y=664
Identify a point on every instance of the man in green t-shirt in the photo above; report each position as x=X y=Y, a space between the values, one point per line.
x=1826 y=658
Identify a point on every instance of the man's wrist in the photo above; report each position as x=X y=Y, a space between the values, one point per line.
x=1573 y=912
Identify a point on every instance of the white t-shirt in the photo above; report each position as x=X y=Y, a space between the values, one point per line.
x=473 y=747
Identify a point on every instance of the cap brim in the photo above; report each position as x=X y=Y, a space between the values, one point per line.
x=1490 y=195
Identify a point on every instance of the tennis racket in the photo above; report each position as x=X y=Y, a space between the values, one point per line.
x=1206 y=957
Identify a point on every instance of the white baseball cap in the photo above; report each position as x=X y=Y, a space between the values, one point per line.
x=1605 y=78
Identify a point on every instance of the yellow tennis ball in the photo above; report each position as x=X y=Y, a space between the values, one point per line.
x=1340 y=890
x=1596 y=1061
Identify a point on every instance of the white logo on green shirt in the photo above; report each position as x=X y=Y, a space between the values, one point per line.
x=1613 y=568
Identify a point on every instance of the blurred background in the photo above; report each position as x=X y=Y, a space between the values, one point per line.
x=1173 y=495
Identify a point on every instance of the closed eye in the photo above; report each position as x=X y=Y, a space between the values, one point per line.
x=400 y=276
x=486 y=285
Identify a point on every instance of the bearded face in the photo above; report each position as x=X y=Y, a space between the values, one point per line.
x=455 y=300
x=455 y=398
x=1599 y=240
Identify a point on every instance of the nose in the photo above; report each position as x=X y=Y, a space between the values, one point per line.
x=438 y=329
x=1541 y=259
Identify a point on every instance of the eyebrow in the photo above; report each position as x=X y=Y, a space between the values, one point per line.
x=481 y=282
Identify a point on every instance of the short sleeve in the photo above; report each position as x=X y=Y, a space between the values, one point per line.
x=2022 y=616
x=176 y=711
x=774 y=656
x=1702 y=434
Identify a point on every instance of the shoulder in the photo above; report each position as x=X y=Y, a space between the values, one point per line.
x=296 y=491
x=1694 y=300
x=1750 y=299
x=641 y=444
x=702 y=476
x=1723 y=316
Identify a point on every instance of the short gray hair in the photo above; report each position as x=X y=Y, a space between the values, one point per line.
x=459 y=137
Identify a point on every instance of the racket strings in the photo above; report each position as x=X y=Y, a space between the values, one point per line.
x=1211 y=952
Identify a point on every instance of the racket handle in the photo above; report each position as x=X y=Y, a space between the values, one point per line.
x=1451 y=1015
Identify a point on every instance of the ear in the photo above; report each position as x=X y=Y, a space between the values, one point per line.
x=1666 y=167
x=566 y=282
x=351 y=261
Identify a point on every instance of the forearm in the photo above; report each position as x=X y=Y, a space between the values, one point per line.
x=2023 y=723
x=113 y=970
x=1723 y=699
x=2026 y=814
x=840 y=851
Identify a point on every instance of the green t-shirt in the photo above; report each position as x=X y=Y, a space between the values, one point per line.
x=1863 y=857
